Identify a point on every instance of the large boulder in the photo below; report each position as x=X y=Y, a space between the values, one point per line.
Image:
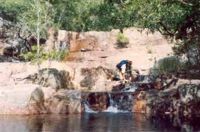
x=28 y=99
x=96 y=79
x=189 y=92
x=177 y=104
x=51 y=77
x=64 y=102
x=98 y=101
x=22 y=99
x=140 y=103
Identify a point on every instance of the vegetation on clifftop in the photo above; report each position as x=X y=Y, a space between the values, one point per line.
x=178 y=20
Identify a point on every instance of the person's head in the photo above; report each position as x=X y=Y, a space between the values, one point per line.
x=130 y=62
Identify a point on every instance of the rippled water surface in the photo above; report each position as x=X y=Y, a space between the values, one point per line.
x=101 y=122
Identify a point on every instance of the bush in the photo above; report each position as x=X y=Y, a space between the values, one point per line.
x=122 y=41
x=34 y=57
x=168 y=65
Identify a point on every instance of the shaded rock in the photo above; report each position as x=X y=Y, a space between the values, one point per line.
x=189 y=92
x=139 y=106
x=36 y=102
x=97 y=101
x=64 y=102
x=9 y=51
x=140 y=103
x=51 y=77
x=101 y=101
x=96 y=78
x=177 y=105
x=123 y=101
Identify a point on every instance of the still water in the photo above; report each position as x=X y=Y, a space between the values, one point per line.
x=88 y=122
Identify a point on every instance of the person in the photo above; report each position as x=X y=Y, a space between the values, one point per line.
x=124 y=68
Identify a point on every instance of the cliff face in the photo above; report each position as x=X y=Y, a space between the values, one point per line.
x=92 y=58
x=99 y=48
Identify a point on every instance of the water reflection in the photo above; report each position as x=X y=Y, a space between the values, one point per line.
x=102 y=122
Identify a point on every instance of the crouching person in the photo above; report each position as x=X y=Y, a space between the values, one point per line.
x=124 y=67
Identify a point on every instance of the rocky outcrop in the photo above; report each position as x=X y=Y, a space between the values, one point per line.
x=33 y=99
x=64 y=102
x=101 y=101
x=96 y=78
x=140 y=103
x=97 y=101
x=178 y=105
x=50 y=93
x=51 y=77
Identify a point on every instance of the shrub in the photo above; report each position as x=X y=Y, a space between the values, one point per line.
x=52 y=55
x=122 y=41
x=168 y=65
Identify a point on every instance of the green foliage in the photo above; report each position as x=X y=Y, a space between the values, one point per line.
x=11 y=9
x=176 y=19
x=30 y=18
x=122 y=40
x=52 y=55
x=168 y=65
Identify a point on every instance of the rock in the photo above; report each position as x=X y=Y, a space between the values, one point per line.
x=101 y=101
x=89 y=43
x=51 y=77
x=96 y=78
x=97 y=101
x=189 y=92
x=139 y=106
x=177 y=104
x=64 y=102
x=36 y=102
x=52 y=40
x=28 y=99
x=10 y=51
x=21 y=99
x=123 y=101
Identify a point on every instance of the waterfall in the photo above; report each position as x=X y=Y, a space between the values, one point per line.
x=113 y=107
x=88 y=109
x=130 y=88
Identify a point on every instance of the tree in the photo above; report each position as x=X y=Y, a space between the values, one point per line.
x=178 y=20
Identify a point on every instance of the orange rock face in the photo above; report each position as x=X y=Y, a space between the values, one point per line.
x=139 y=106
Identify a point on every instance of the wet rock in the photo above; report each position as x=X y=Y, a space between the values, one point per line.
x=64 y=102
x=122 y=101
x=139 y=106
x=140 y=103
x=177 y=105
x=189 y=92
x=36 y=102
x=98 y=101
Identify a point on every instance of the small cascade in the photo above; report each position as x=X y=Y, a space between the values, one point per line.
x=113 y=102
x=145 y=79
x=120 y=99
x=130 y=88
x=112 y=109
x=88 y=109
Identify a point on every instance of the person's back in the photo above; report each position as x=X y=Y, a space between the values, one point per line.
x=124 y=68
x=123 y=62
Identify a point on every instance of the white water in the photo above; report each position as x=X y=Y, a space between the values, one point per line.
x=88 y=110
x=112 y=109
x=130 y=88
